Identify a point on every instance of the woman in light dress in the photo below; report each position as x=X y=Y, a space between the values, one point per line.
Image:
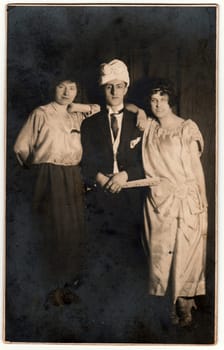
x=175 y=210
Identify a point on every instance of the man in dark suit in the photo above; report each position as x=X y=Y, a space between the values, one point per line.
x=112 y=150
x=111 y=157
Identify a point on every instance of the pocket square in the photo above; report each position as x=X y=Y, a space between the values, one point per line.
x=134 y=142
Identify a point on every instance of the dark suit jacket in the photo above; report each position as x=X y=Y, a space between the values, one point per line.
x=98 y=151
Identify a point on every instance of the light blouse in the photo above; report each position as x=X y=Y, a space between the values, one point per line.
x=50 y=135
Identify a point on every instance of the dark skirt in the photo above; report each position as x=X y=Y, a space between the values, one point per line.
x=59 y=206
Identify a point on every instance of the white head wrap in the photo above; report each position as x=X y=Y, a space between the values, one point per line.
x=115 y=69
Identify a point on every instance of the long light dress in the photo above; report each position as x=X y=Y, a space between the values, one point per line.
x=175 y=220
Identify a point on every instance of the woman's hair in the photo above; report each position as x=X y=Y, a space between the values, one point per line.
x=70 y=80
x=164 y=87
x=57 y=79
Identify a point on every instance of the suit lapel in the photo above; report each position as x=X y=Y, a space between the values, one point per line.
x=104 y=131
x=125 y=130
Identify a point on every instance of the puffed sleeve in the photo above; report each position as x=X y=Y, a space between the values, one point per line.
x=192 y=133
x=27 y=137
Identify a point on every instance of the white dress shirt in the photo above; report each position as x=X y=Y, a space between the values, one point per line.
x=116 y=142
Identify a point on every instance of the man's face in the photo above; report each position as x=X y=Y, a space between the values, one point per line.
x=115 y=90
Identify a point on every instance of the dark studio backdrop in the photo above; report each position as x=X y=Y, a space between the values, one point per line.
x=175 y=42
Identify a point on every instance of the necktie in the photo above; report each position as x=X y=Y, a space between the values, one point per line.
x=114 y=123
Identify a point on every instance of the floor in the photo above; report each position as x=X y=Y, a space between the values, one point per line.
x=104 y=312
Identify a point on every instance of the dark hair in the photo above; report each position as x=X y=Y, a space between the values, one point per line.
x=60 y=78
x=164 y=87
x=59 y=81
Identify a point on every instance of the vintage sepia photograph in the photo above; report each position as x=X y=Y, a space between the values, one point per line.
x=111 y=174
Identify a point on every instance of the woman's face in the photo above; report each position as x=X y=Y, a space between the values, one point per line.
x=66 y=92
x=160 y=105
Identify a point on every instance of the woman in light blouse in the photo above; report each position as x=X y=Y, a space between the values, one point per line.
x=50 y=141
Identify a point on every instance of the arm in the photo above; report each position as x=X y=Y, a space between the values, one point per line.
x=27 y=137
x=102 y=180
x=87 y=109
x=141 y=115
x=116 y=182
x=198 y=171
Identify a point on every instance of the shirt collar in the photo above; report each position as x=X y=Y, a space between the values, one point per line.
x=119 y=108
x=59 y=108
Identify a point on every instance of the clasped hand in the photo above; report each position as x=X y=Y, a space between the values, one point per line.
x=114 y=183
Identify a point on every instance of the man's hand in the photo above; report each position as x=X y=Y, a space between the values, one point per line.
x=101 y=179
x=116 y=182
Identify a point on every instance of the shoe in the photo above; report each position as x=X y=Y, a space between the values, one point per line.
x=61 y=296
x=70 y=297
x=185 y=306
x=55 y=297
